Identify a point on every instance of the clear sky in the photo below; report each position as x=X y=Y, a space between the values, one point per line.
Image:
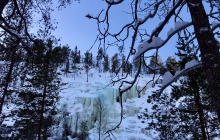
x=77 y=30
x=74 y=28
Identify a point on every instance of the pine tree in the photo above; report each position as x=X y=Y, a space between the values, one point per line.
x=106 y=63
x=62 y=53
x=130 y=68
x=41 y=88
x=124 y=65
x=75 y=59
x=136 y=64
x=78 y=57
x=11 y=57
x=65 y=57
x=115 y=64
x=99 y=59
x=67 y=67
x=88 y=63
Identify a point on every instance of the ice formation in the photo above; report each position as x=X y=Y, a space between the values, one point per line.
x=84 y=108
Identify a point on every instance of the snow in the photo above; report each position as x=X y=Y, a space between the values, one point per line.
x=191 y=63
x=170 y=31
x=157 y=42
x=180 y=24
x=181 y=107
x=80 y=97
x=8 y=122
x=137 y=21
x=145 y=46
x=214 y=23
x=168 y=78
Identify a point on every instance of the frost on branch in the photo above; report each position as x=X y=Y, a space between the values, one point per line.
x=168 y=78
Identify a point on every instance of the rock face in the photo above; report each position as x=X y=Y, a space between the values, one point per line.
x=96 y=107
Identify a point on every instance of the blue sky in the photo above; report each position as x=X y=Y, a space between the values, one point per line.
x=77 y=30
x=74 y=28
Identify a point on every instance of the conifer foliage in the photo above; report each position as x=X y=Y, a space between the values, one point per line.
x=106 y=63
x=186 y=112
x=115 y=63
x=88 y=63
x=35 y=91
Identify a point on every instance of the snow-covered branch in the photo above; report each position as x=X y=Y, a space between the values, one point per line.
x=157 y=42
x=168 y=78
x=157 y=31
x=215 y=25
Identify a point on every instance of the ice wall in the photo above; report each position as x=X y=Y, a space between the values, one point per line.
x=84 y=108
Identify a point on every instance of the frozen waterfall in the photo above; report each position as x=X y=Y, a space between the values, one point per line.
x=89 y=107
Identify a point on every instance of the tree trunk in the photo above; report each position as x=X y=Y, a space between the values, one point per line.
x=43 y=100
x=87 y=75
x=196 y=92
x=8 y=78
x=209 y=48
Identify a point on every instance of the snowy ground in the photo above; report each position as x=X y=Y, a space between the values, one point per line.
x=131 y=127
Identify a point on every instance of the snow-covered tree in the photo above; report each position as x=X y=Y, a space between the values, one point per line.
x=42 y=83
x=10 y=59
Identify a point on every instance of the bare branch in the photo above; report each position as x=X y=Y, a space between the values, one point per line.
x=161 y=26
